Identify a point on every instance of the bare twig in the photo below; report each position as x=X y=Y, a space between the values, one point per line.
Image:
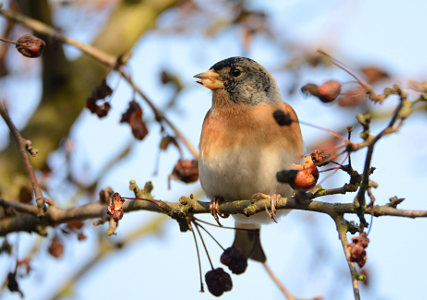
x=22 y=147
x=282 y=288
x=342 y=235
x=359 y=200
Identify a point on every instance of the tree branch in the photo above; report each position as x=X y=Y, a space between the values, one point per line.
x=30 y=222
x=22 y=143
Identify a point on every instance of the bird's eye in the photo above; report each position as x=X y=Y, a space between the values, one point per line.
x=235 y=72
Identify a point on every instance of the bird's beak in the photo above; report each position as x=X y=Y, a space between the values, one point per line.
x=210 y=79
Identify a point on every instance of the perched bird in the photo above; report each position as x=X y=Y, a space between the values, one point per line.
x=242 y=147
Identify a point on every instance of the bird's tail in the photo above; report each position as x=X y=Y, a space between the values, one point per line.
x=248 y=241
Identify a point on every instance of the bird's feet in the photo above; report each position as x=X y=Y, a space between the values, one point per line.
x=273 y=203
x=214 y=209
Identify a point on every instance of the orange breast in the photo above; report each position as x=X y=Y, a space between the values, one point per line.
x=242 y=125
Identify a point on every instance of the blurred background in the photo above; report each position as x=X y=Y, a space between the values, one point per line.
x=168 y=42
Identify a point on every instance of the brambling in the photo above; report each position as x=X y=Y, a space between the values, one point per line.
x=241 y=145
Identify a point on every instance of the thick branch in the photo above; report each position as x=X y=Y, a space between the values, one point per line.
x=31 y=223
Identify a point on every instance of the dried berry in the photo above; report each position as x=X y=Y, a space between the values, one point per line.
x=326 y=92
x=56 y=248
x=310 y=89
x=329 y=91
x=115 y=208
x=307 y=175
x=235 y=260
x=166 y=141
x=282 y=118
x=357 y=249
x=101 y=110
x=30 y=46
x=319 y=157
x=362 y=239
x=98 y=94
x=218 y=281
x=357 y=254
x=185 y=170
x=133 y=116
x=102 y=91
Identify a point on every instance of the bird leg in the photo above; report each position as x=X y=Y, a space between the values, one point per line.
x=273 y=203
x=214 y=209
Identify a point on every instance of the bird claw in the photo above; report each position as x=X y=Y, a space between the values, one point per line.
x=273 y=203
x=214 y=209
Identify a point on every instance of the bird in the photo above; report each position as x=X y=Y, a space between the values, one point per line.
x=242 y=147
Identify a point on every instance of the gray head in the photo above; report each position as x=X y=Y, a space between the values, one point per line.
x=243 y=79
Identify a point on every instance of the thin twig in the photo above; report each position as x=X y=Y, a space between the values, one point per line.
x=211 y=236
x=204 y=245
x=345 y=69
x=342 y=234
x=202 y=289
x=21 y=144
x=359 y=200
x=8 y=41
x=282 y=288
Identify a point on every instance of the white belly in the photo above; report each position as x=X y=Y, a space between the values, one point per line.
x=238 y=174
